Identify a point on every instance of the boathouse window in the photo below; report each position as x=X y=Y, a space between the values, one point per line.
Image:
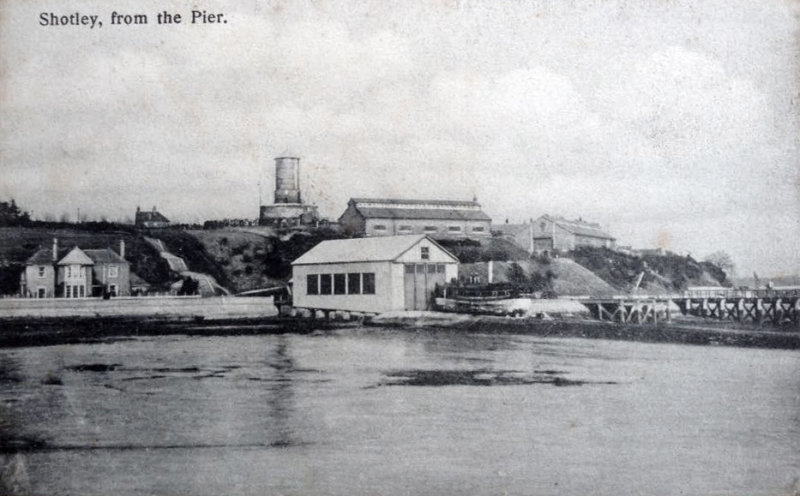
x=354 y=283
x=338 y=284
x=425 y=253
x=420 y=268
x=477 y=229
x=312 y=284
x=431 y=269
x=379 y=227
x=404 y=228
x=440 y=268
x=368 y=283
x=41 y=271
x=113 y=271
x=325 y=284
x=409 y=268
x=454 y=228
x=431 y=229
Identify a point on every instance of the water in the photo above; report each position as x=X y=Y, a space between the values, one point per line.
x=369 y=412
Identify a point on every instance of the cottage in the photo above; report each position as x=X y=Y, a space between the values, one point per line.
x=76 y=273
x=436 y=218
x=150 y=220
x=372 y=274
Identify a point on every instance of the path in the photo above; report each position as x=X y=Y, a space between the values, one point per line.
x=208 y=286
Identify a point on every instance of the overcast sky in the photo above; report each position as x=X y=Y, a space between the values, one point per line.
x=674 y=124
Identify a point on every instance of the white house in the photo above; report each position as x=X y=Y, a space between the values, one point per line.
x=372 y=274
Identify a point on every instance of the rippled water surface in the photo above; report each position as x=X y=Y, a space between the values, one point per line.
x=394 y=413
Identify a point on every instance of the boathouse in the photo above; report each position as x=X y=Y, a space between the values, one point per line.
x=372 y=275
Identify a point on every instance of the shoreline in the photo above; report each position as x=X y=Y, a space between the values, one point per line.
x=29 y=332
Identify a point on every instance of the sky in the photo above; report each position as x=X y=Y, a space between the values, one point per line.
x=672 y=123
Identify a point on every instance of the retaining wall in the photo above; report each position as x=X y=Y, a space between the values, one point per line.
x=220 y=307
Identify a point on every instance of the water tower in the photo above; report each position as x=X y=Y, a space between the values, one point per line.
x=288 y=209
x=287 y=180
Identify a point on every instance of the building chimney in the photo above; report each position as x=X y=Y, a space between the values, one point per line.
x=122 y=248
x=55 y=250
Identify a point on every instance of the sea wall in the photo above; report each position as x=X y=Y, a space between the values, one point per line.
x=221 y=307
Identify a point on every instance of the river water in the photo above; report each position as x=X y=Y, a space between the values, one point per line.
x=377 y=412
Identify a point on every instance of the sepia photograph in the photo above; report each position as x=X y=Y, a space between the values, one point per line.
x=443 y=247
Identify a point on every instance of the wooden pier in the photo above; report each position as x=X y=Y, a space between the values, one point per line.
x=777 y=306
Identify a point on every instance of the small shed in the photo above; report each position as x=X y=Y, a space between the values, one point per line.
x=374 y=275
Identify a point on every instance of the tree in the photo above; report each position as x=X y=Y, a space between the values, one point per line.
x=722 y=260
x=11 y=215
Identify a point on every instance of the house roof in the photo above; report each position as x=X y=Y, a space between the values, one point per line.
x=104 y=255
x=421 y=213
x=76 y=256
x=43 y=256
x=399 y=201
x=137 y=281
x=578 y=228
x=152 y=216
x=376 y=249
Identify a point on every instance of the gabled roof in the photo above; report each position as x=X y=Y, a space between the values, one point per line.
x=104 y=255
x=76 y=256
x=152 y=216
x=376 y=249
x=421 y=213
x=43 y=256
x=578 y=228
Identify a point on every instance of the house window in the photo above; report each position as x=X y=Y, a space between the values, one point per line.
x=379 y=227
x=425 y=253
x=440 y=268
x=431 y=229
x=325 y=284
x=454 y=228
x=113 y=271
x=69 y=271
x=477 y=229
x=68 y=293
x=82 y=291
x=41 y=271
x=338 y=284
x=542 y=226
x=354 y=283
x=41 y=293
x=409 y=268
x=420 y=268
x=312 y=284
x=431 y=269
x=404 y=228
x=368 y=283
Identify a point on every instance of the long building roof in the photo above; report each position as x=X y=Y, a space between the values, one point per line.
x=376 y=249
x=387 y=208
x=578 y=228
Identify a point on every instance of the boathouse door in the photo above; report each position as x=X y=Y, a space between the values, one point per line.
x=420 y=282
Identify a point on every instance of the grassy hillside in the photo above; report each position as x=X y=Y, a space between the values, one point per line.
x=661 y=273
x=17 y=244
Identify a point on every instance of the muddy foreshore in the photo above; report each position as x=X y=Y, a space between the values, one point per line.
x=49 y=331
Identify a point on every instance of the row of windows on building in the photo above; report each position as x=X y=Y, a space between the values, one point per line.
x=79 y=271
x=427 y=229
x=341 y=283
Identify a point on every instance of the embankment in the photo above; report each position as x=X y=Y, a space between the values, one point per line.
x=675 y=332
